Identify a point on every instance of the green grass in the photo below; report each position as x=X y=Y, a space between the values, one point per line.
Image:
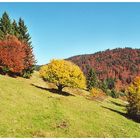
x=28 y=111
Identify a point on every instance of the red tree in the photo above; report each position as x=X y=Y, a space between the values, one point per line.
x=13 y=54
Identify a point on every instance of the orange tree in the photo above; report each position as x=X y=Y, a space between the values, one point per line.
x=64 y=74
x=13 y=55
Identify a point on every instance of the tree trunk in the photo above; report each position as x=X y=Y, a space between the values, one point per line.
x=60 y=87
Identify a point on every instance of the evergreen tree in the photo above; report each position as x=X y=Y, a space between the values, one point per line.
x=104 y=86
x=110 y=83
x=5 y=24
x=92 y=80
x=23 y=31
x=15 y=29
x=25 y=37
x=1 y=35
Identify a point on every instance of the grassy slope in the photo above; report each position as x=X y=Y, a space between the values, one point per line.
x=27 y=111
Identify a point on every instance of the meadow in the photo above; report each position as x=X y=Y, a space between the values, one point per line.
x=29 y=109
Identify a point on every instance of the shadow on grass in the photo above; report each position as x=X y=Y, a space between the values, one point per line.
x=122 y=114
x=118 y=104
x=55 y=91
x=116 y=111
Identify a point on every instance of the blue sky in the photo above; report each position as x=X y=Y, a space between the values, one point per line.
x=61 y=30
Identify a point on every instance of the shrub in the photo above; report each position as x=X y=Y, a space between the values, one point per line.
x=64 y=74
x=110 y=83
x=113 y=93
x=107 y=85
x=5 y=69
x=122 y=94
x=96 y=93
x=133 y=98
x=26 y=74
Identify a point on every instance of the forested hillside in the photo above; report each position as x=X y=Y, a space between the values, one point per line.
x=123 y=64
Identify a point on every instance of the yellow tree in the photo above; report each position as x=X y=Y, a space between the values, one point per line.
x=64 y=74
x=134 y=99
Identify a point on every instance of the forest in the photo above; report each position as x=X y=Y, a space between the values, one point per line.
x=121 y=64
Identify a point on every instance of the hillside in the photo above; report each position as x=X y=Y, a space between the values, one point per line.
x=122 y=64
x=28 y=109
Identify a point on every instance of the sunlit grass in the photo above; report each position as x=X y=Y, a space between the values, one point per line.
x=28 y=111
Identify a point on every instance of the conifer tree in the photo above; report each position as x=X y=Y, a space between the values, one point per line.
x=25 y=37
x=92 y=80
x=23 y=31
x=1 y=35
x=15 y=29
x=5 y=24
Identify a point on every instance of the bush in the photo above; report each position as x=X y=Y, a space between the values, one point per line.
x=5 y=70
x=111 y=92
x=28 y=72
x=96 y=93
x=104 y=87
x=108 y=86
x=133 y=98
x=114 y=93
x=64 y=74
x=122 y=94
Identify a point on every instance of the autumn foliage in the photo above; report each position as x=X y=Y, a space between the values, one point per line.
x=120 y=64
x=63 y=74
x=96 y=93
x=133 y=98
x=13 y=54
x=16 y=51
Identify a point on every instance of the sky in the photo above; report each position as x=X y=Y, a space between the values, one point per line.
x=62 y=30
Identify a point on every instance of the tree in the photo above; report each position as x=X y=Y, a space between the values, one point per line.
x=25 y=37
x=29 y=62
x=133 y=98
x=92 y=80
x=15 y=29
x=23 y=32
x=108 y=86
x=13 y=55
x=64 y=74
x=110 y=82
x=19 y=31
x=5 y=24
x=1 y=35
x=104 y=86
